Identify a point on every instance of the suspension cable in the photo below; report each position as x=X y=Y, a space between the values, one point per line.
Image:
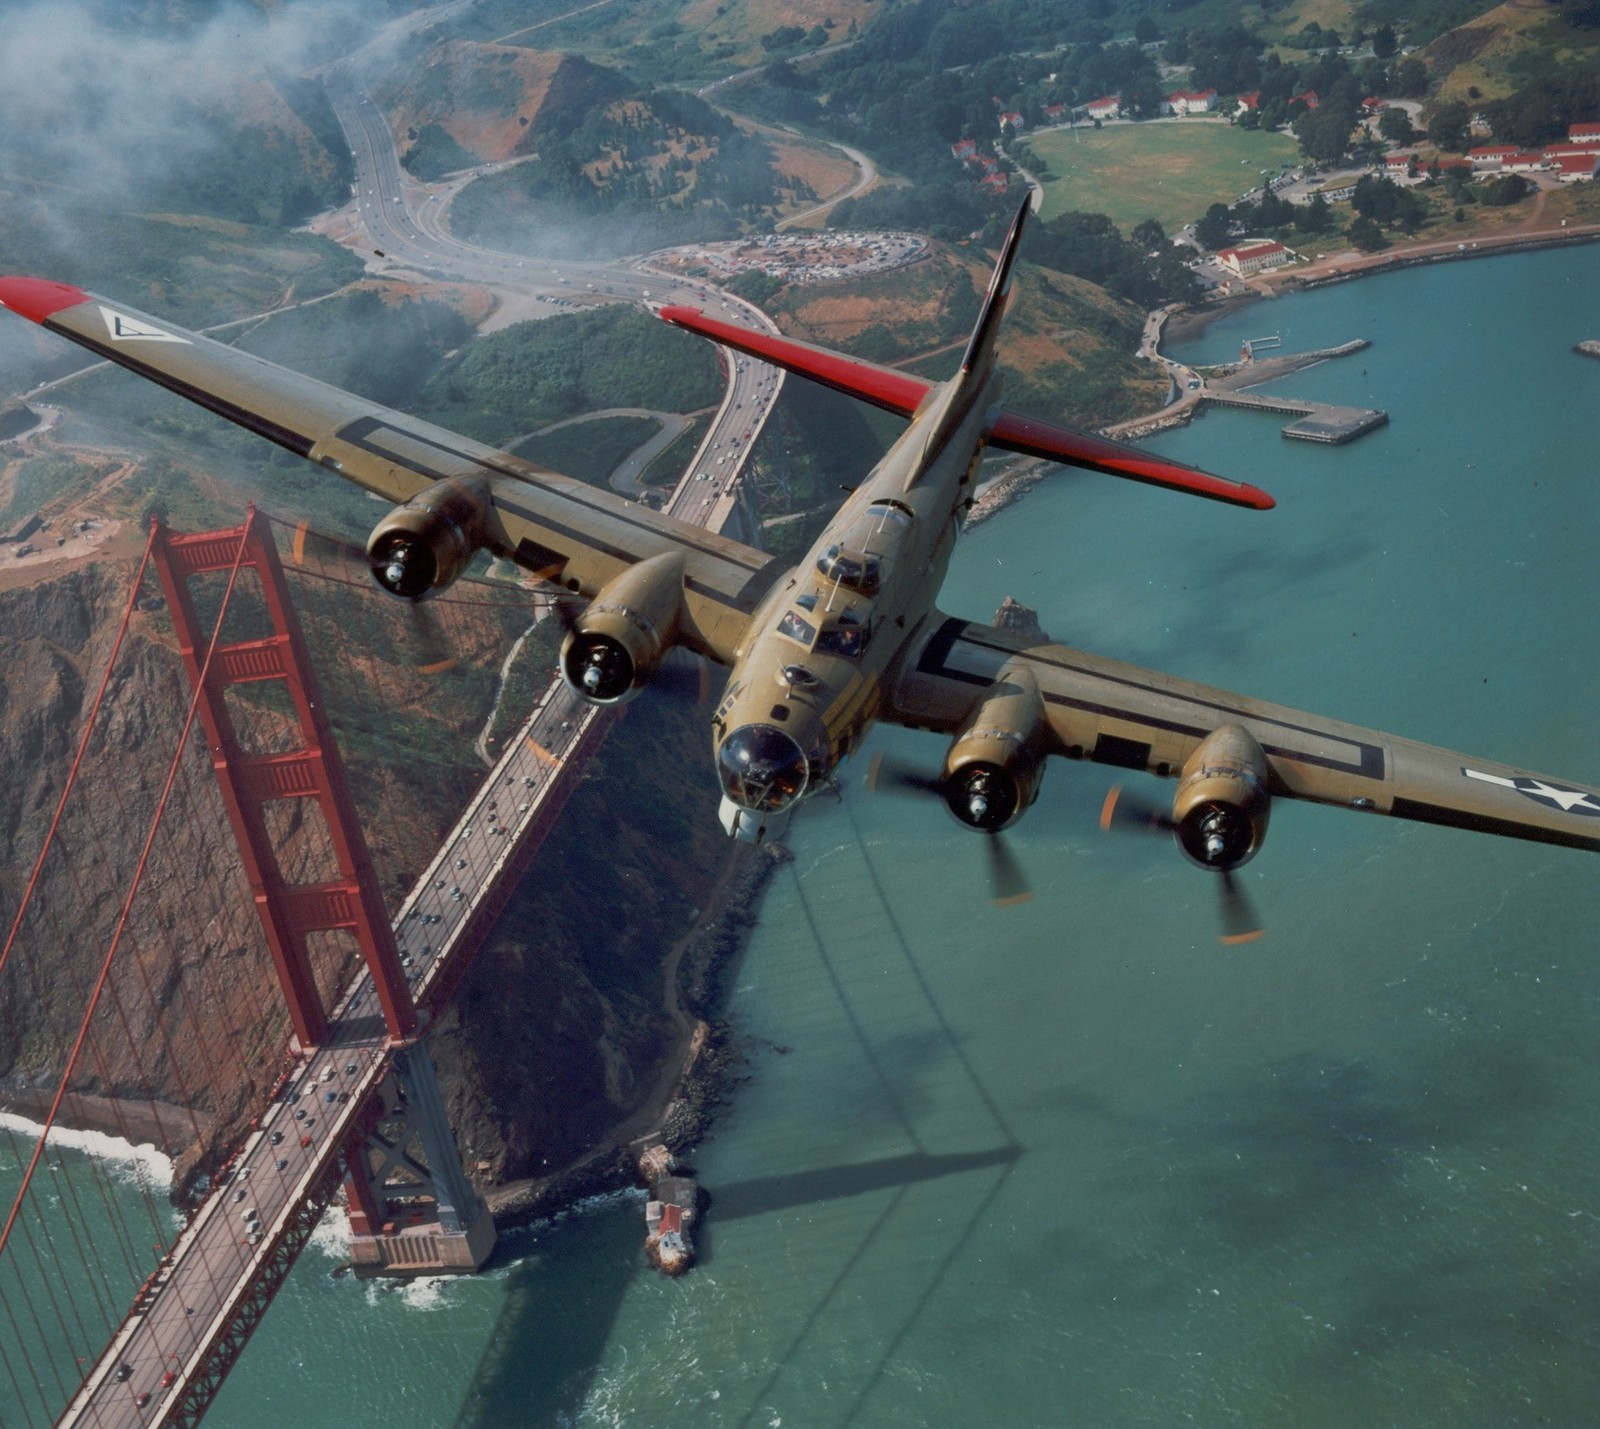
x=127 y=906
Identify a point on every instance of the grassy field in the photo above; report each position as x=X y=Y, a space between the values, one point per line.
x=1170 y=170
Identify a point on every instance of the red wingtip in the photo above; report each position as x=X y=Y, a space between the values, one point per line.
x=37 y=298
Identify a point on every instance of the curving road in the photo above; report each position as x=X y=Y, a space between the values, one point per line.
x=404 y=224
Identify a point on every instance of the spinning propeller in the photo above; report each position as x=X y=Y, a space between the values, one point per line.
x=1126 y=813
x=313 y=547
x=1008 y=884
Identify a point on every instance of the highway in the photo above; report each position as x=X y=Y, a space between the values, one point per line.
x=211 y=1289
x=398 y=224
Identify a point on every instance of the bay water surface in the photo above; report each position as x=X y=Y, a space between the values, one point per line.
x=1075 y=1162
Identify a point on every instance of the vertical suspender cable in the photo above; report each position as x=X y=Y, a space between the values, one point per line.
x=127 y=906
x=83 y=745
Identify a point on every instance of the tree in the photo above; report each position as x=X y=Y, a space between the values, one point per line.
x=1376 y=197
x=1395 y=126
x=1505 y=190
x=1408 y=78
x=1448 y=127
x=1148 y=235
x=1145 y=30
x=1212 y=230
x=1314 y=217
x=1367 y=236
x=1324 y=132
x=1384 y=44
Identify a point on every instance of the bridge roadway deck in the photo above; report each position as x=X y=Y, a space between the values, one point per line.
x=165 y=1362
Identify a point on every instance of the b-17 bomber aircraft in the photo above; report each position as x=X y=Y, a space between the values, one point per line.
x=853 y=634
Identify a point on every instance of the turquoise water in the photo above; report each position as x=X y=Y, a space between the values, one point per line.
x=1074 y=1162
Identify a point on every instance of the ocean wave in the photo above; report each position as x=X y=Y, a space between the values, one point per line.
x=143 y=1160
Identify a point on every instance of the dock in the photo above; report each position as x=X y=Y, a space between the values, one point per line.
x=1314 y=421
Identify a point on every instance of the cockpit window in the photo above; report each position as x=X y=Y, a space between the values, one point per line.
x=890 y=513
x=859 y=572
x=797 y=629
x=843 y=639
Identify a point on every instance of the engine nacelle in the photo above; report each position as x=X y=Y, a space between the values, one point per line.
x=993 y=770
x=1222 y=805
x=421 y=547
x=616 y=644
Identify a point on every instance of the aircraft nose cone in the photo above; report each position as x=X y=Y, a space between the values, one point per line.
x=762 y=768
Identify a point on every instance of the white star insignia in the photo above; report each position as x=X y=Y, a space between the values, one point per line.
x=1569 y=801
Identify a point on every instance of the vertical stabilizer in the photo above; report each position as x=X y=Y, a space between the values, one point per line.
x=947 y=406
x=979 y=356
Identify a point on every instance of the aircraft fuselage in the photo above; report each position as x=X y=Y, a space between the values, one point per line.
x=809 y=678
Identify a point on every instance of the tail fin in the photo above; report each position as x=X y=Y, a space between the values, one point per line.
x=979 y=356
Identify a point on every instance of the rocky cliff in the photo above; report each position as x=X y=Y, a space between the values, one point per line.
x=556 y=1033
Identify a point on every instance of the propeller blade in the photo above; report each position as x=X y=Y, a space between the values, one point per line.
x=889 y=776
x=1127 y=813
x=1240 y=924
x=1008 y=883
x=435 y=655
x=310 y=545
x=683 y=675
x=562 y=605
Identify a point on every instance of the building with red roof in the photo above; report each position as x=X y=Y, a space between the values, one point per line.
x=1490 y=156
x=1575 y=168
x=1190 y=101
x=1250 y=258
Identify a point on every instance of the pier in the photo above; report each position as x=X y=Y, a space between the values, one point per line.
x=1314 y=421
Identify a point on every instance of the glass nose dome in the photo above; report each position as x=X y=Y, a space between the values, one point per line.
x=761 y=768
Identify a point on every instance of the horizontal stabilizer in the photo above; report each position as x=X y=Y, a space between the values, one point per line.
x=1030 y=437
x=886 y=387
x=901 y=393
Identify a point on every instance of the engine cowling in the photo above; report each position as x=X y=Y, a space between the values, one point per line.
x=421 y=547
x=618 y=641
x=993 y=770
x=1222 y=804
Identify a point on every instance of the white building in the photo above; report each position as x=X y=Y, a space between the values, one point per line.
x=1251 y=258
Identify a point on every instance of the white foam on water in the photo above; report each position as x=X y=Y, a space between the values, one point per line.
x=144 y=1161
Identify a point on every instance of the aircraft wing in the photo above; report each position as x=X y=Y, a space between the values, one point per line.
x=1122 y=715
x=554 y=526
x=901 y=393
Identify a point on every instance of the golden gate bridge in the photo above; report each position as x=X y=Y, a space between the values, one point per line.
x=201 y=955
